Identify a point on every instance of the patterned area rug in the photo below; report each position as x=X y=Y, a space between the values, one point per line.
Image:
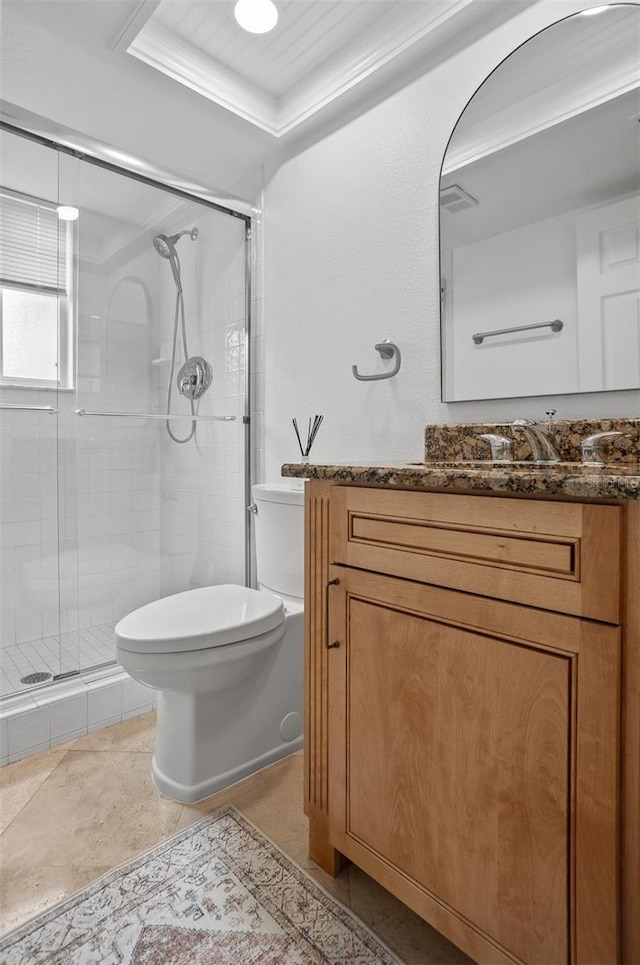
x=219 y=892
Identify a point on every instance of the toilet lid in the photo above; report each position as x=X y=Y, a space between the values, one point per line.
x=211 y=616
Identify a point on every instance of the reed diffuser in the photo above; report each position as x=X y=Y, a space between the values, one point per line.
x=312 y=432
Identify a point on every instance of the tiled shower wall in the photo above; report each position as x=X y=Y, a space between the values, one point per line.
x=202 y=502
x=80 y=497
x=109 y=467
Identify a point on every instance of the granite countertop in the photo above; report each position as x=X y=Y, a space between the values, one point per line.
x=615 y=481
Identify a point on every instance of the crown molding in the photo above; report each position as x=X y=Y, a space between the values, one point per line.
x=160 y=48
x=419 y=27
x=555 y=105
x=403 y=41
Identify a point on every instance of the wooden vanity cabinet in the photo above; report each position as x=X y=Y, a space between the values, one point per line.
x=464 y=709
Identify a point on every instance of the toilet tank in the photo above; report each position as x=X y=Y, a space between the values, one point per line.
x=279 y=531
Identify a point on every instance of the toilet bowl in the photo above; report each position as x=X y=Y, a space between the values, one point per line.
x=227 y=662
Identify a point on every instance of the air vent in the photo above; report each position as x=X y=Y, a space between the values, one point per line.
x=454 y=198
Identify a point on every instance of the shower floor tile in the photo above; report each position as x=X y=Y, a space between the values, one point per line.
x=59 y=654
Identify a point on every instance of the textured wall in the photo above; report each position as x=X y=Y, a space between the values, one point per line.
x=351 y=257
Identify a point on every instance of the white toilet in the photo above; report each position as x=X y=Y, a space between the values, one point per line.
x=227 y=662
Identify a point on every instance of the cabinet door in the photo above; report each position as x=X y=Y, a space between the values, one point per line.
x=468 y=771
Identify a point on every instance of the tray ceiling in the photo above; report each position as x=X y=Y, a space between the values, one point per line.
x=319 y=50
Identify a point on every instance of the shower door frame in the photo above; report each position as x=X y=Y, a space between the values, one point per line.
x=23 y=123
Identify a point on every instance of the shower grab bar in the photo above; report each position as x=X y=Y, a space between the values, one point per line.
x=154 y=415
x=30 y=408
x=556 y=326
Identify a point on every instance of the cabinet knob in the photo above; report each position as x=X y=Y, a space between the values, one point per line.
x=332 y=646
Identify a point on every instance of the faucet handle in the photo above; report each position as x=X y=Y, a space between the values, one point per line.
x=592 y=448
x=501 y=446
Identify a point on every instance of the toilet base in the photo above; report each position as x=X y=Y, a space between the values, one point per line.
x=190 y=793
x=206 y=741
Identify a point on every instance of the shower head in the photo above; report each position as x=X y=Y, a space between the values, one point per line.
x=163 y=246
x=166 y=248
x=166 y=245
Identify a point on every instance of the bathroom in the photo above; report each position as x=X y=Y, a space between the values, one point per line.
x=346 y=254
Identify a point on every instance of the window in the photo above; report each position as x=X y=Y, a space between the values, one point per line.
x=37 y=292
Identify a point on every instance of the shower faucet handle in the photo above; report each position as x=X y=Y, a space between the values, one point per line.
x=195 y=377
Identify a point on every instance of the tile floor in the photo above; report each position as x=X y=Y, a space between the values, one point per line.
x=70 y=814
x=59 y=654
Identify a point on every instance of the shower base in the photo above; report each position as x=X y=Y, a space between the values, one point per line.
x=56 y=655
x=54 y=713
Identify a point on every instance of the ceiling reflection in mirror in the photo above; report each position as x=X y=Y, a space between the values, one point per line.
x=540 y=218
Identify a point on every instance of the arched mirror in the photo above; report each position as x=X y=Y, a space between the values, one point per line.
x=540 y=218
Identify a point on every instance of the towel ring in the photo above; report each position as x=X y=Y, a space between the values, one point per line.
x=387 y=350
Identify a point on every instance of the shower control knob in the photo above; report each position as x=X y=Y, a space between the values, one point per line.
x=194 y=378
x=252 y=508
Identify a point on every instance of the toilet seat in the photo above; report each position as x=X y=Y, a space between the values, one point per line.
x=211 y=616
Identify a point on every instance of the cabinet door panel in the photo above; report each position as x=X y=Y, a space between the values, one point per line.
x=473 y=765
x=458 y=759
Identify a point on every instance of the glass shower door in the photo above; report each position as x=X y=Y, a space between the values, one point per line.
x=155 y=505
x=107 y=501
x=35 y=290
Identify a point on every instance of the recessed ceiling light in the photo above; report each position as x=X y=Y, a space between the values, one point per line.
x=67 y=213
x=256 y=16
x=592 y=11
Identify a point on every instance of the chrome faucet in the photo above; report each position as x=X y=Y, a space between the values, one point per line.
x=539 y=438
x=592 y=448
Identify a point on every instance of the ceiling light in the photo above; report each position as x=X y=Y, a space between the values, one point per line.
x=256 y=16
x=67 y=213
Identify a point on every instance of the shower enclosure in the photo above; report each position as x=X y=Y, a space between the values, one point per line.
x=124 y=402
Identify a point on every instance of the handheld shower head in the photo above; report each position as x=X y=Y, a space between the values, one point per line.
x=165 y=245
x=166 y=248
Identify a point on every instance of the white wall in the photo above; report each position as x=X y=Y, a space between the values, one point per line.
x=351 y=257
